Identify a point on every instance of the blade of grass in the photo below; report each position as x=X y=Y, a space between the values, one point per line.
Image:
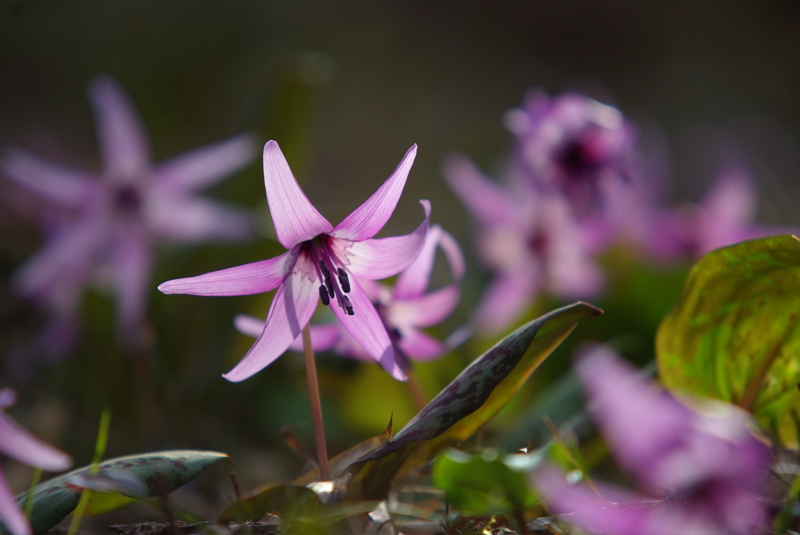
x=99 y=452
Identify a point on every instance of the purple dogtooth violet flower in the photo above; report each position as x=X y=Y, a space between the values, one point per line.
x=575 y=145
x=323 y=263
x=20 y=445
x=723 y=217
x=530 y=241
x=697 y=473
x=112 y=217
x=405 y=308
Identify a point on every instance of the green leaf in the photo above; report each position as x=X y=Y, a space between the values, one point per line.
x=470 y=401
x=734 y=334
x=160 y=472
x=483 y=484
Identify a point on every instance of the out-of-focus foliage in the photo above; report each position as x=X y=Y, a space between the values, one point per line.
x=734 y=333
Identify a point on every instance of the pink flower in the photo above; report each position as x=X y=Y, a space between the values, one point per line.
x=530 y=242
x=27 y=449
x=723 y=217
x=696 y=474
x=113 y=216
x=575 y=145
x=323 y=263
x=405 y=308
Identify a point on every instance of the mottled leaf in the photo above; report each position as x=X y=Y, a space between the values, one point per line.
x=734 y=334
x=470 y=401
x=160 y=472
x=339 y=464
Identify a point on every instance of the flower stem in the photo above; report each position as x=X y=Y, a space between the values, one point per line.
x=316 y=406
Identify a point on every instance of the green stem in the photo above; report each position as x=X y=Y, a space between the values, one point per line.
x=316 y=405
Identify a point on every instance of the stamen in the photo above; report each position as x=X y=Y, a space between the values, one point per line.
x=323 y=295
x=344 y=282
x=348 y=306
x=327 y=276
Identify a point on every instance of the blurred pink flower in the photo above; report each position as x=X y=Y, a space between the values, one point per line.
x=405 y=308
x=724 y=216
x=575 y=145
x=27 y=449
x=322 y=262
x=697 y=474
x=530 y=241
x=112 y=217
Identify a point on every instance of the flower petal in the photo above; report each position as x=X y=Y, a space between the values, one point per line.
x=249 y=325
x=132 y=262
x=379 y=258
x=10 y=512
x=506 y=298
x=254 y=278
x=488 y=201
x=430 y=309
x=123 y=143
x=367 y=327
x=196 y=219
x=323 y=337
x=68 y=252
x=22 y=446
x=295 y=218
x=290 y=311
x=413 y=281
x=418 y=345
x=205 y=166
x=61 y=185
x=640 y=422
x=370 y=217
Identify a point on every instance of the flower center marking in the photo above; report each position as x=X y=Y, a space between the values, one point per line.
x=327 y=263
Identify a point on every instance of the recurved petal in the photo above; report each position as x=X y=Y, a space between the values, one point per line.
x=197 y=219
x=295 y=218
x=10 y=513
x=249 y=325
x=247 y=279
x=290 y=311
x=367 y=328
x=487 y=200
x=506 y=298
x=642 y=424
x=61 y=185
x=383 y=257
x=427 y=310
x=22 y=446
x=369 y=218
x=123 y=143
x=323 y=337
x=205 y=166
x=413 y=281
x=418 y=345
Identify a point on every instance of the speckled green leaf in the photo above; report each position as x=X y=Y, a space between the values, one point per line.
x=734 y=333
x=471 y=400
x=161 y=473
